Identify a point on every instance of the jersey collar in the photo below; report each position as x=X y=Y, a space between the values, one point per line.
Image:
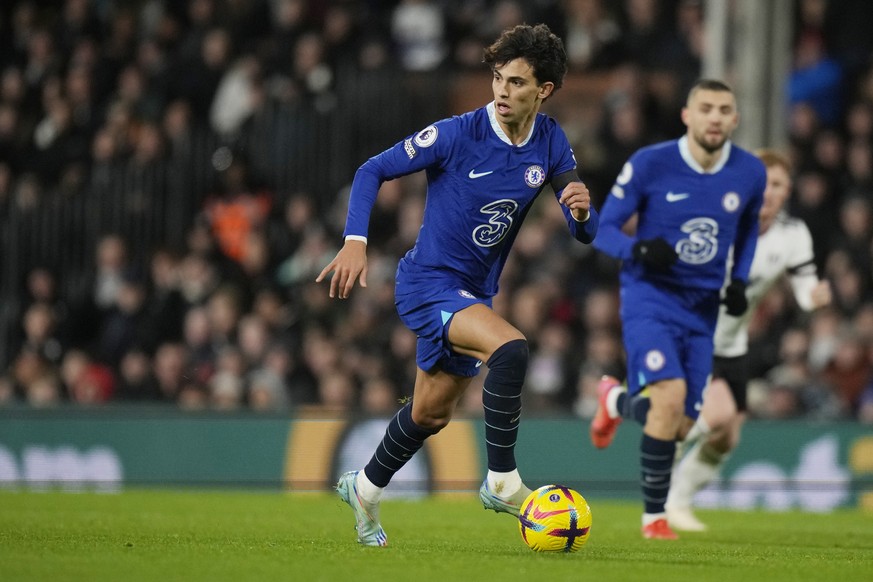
x=685 y=152
x=492 y=117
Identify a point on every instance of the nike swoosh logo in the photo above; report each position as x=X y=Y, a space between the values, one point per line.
x=474 y=174
x=676 y=197
x=514 y=420
x=478 y=363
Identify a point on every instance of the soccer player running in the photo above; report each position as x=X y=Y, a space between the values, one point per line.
x=484 y=170
x=695 y=198
x=784 y=249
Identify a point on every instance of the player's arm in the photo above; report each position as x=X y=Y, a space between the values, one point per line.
x=747 y=233
x=620 y=205
x=809 y=291
x=575 y=200
x=410 y=155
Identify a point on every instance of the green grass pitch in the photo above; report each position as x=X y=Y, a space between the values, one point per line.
x=243 y=535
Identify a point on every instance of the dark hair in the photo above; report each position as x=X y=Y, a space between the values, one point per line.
x=541 y=48
x=709 y=85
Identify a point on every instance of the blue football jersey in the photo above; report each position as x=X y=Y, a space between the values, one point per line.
x=480 y=188
x=702 y=214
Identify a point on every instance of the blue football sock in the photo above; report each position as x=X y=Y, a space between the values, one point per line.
x=633 y=407
x=501 y=398
x=402 y=439
x=656 y=463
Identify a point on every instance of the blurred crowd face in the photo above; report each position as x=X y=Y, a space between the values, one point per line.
x=775 y=195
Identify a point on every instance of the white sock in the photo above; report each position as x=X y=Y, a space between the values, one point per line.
x=652 y=518
x=699 y=429
x=504 y=484
x=699 y=467
x=366 y=489
x=612 y=401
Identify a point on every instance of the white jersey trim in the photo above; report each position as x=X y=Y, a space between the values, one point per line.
x=495 y=125
x=685 y=152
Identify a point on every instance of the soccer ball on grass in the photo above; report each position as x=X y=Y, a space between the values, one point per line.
x=555 y=518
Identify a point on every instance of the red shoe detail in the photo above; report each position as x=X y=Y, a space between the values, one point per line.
x=659 y=530
x=602 y=426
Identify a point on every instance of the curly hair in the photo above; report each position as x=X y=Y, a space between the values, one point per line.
x=538 y=45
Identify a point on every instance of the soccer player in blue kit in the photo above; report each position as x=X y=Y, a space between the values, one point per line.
x=696 y=200
x=484 y=170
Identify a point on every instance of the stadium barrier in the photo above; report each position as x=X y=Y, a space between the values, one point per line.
x=779 y=465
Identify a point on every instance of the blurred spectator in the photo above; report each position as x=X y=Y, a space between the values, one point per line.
x=418 y=29
x=336 y=390
x=135 y=379
x=549 y=383
x=125 y=324
x=95 y=385
x=591 y=35
x=268 y=384
x=170 y=366
x=238 y=209
x=379 y=397
x=816 y=78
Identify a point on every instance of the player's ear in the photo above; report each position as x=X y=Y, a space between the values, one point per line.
x=684 y=115
x=546 y=89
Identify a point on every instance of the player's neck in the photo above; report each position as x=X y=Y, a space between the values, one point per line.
x=518 y=132
x=705 y=158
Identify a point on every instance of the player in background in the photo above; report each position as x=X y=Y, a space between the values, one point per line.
x=784 y=248
x=694 y=199
x=484 y=170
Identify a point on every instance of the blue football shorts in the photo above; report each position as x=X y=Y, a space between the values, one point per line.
x=659 y=350
x=426 y=305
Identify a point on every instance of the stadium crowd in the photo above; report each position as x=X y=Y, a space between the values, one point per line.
x=187 y=275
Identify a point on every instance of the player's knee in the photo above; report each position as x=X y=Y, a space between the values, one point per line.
x=719 y=420
x=667 y=410
x=720 y=441
x=511 y=358
x=432 y=420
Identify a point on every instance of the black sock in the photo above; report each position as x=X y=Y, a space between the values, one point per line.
x=633 y=407
x=501 y=398
x=402 y=439
x=656 y=462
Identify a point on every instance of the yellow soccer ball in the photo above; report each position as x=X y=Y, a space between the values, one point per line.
x=555 y=518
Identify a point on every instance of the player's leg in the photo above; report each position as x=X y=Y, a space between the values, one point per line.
x=615 y=403
x=657 y=448
x=440 y=381
x=723 y=406
x=435 y=397
x=480 y=333
x=655 y=352
x=695 y=469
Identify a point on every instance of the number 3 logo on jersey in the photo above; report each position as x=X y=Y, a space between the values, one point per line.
x=500 y=219
x=701 y=244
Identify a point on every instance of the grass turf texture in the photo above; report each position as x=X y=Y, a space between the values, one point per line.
x=213 y=535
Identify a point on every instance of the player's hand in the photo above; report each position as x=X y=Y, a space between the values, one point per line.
x=577 y=199
x=735 y=298
x=349 y=265
x=655 y=253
